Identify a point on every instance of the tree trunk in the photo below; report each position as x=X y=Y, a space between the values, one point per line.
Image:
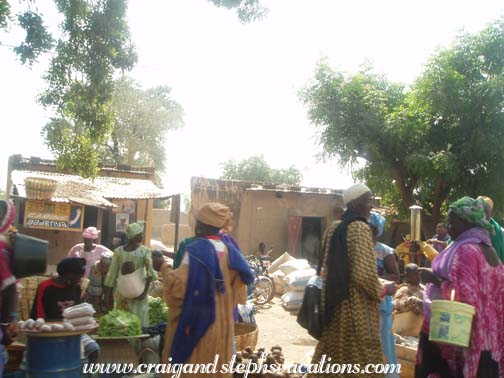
x=438 y=198
x=406 y=192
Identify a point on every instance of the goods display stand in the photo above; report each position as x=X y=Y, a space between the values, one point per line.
x=406 y=356
x=54 y=354
x=118 y=350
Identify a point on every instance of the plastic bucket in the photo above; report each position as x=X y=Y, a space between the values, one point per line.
x=50 y=357
x=29 y=257
x=451 y=322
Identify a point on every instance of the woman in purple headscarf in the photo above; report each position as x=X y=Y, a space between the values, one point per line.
x=470 y=267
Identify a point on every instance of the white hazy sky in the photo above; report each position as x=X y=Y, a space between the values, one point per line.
x=238 y=83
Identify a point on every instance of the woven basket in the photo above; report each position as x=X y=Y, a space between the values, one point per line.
x=27 y=293
x=407 y=324
x=40 y=188
x=117 y=351
x=15 y=356
x=245 y=335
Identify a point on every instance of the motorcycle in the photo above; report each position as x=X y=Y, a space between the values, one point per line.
x=262 y=290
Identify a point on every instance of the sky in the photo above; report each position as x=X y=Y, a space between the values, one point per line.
x=239 y=84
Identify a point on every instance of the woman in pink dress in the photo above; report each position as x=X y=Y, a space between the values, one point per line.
x=470 y=267
x=89 y=250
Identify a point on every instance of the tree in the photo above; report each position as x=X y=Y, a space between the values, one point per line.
x=431 y=143
x=141 y=120
x=38 y=40
x=94 y=45
x=256 y=168
x=247 y=10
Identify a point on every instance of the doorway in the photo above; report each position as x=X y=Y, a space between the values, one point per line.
x=311 y=237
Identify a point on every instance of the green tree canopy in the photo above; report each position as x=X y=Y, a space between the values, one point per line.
x=94 y=46
x=256 y=168
x=38 y=40
x=142 y=119
x=430 y=143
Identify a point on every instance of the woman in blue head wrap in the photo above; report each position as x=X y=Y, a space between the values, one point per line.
x=388 y=270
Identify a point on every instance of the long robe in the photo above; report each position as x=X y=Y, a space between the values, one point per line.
x=141 y=258
x=353 y=334
x=218 y=339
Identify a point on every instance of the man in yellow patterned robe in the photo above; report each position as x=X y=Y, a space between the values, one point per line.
x=351 y=293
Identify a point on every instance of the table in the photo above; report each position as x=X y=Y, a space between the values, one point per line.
x=118 y=350
x=54 y=354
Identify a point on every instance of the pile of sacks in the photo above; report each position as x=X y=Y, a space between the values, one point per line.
x=291 y=276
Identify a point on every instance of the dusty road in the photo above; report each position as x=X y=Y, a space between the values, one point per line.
x=279 y=327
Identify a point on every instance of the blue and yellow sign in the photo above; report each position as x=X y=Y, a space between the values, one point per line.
x=53 y=216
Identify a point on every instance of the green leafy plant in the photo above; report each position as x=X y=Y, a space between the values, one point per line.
x=158 y=311
x=119 y=323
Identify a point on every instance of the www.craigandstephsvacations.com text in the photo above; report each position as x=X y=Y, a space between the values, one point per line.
x=175 y=370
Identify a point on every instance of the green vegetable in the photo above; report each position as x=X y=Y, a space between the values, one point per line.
x=119 y=323
x=158 y=311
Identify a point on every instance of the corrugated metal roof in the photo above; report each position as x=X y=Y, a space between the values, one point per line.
x=73 y=188
x=23 y=163
x=237 y=185
x=297 y=191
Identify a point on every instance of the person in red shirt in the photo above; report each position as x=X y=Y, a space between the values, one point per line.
x=54 y=295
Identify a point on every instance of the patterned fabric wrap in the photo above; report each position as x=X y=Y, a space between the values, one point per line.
x=478 y=284
x=378 y=221
x=353 y=333
x=134 y=229
x=473 y=211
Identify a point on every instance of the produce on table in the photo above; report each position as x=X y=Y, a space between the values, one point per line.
x=29 y=324
x=41 y=326
x=158 y=311
x=39 y=322
x=57 y=327
x=46 y=328
x=119 y=323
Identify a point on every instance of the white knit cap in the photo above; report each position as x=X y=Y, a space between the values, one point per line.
x=354 y=192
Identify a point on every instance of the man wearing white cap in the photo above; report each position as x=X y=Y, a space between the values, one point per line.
x=351 y=290
x=89 y=250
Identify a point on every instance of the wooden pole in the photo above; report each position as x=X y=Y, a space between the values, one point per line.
x=176 y=206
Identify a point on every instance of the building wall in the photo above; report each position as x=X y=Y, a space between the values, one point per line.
x=167 y=236
x=263 y=215
x=60 y=243
x=164 y=230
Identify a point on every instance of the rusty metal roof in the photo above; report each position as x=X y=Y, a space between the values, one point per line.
x=295 y=190
x=97 y=192
x=234 y=185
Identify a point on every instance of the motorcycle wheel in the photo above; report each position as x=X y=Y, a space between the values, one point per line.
x=264 y=290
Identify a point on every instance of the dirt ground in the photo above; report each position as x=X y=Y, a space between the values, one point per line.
x=278 y=326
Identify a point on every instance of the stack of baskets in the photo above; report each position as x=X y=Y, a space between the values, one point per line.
x=245 y=335
x=40 y=188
